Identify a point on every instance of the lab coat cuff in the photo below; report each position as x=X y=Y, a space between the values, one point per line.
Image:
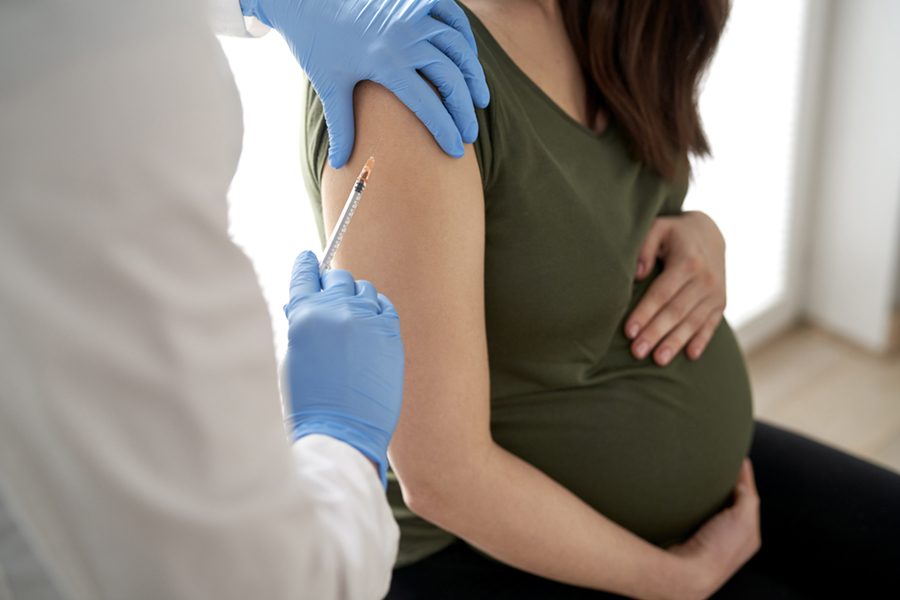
x=343 y=452
x=349 y=436
x=227 y=19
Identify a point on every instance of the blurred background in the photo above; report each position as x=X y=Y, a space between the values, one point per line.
x=802 y=107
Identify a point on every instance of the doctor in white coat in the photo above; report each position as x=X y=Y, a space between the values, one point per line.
x=142 y=449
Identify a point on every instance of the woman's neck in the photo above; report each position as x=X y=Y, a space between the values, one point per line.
x=533 y=34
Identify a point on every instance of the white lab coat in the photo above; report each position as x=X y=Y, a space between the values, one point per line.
x=142 y=453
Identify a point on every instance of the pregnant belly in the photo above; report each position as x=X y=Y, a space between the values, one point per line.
x=656 y=449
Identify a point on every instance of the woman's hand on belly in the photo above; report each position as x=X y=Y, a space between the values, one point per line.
x=684 y=304
x=726 y=541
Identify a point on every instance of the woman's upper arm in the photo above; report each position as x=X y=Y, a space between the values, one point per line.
x=418 y=235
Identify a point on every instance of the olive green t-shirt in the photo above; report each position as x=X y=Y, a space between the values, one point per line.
x=656 y=449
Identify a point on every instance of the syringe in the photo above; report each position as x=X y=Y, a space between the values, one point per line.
x=340 y=228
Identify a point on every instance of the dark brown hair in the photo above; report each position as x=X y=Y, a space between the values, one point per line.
x=643 y=61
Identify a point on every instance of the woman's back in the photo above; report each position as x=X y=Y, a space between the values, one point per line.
x=656 y=449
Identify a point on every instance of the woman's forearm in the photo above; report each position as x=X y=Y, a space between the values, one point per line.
x=519 y=515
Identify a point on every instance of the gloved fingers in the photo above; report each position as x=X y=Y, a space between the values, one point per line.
x=338 y=106
x=338 y=282
x=367 y=291
x=451 y=43
x=450 y=13
x=452 y=87
x=305 y=276
x=387 y=307
x=412 y=91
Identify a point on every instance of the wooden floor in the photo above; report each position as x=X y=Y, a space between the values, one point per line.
x=814 y=383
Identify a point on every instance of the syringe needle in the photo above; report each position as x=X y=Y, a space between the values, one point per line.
x=340 y=228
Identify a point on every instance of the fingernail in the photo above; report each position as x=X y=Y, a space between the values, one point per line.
x=642 y=349
x=640 y=268
x=632 y=331
x=665 y=355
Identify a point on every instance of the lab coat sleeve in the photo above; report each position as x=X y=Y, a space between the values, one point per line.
x=227 y=19
x=352 y=512
x=142 y=450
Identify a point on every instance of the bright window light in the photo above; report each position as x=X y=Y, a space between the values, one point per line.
x=269 y=209
x=749 y=109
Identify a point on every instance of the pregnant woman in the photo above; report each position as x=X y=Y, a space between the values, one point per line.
x=544 y=450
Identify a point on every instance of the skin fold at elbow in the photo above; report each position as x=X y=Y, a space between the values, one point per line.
x=433 y=489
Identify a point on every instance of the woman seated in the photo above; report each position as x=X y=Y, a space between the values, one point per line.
x=533 y=427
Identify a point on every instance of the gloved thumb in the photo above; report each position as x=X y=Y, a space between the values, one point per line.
x=338 y=107
x=305 y=276
x=651 y=247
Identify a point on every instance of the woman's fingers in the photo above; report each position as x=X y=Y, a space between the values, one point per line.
x=677 y=308
x=650 y=249
x=747 y=501
x=746 y=477
x=728 y=539
x=691 y=325
x=669 y=282
x=746 y=504
x=699 y=342
x=682 y=307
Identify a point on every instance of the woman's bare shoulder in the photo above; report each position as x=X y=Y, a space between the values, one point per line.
x=420 y=207
x=407 y=157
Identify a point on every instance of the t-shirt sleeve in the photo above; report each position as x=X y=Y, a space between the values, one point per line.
x=315 y=153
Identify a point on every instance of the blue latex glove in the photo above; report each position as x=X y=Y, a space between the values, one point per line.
x=342 y=42
x=343 y=371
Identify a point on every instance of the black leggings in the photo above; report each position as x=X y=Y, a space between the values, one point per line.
x=830 y=529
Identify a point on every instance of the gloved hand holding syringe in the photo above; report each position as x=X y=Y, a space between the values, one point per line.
x=343 y=368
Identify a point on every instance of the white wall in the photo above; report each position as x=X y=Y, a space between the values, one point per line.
x=855 y=210
x=897 y=279
x=747 y=184
x=270 y=217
